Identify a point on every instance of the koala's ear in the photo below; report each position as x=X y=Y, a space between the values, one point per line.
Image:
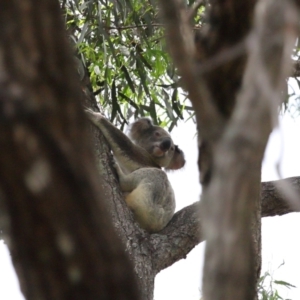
x=138 y=127
x=178 y=160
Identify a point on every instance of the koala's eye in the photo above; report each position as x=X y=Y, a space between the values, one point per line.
x=156 y=133
x=172 y=148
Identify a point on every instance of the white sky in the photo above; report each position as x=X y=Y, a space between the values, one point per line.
x=280 y=235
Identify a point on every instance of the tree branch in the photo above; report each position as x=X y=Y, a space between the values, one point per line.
x=181 y=43
x=273 y=202
x=176 y=240
x=184 y=232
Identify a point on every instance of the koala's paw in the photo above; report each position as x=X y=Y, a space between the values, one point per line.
x=93 y=116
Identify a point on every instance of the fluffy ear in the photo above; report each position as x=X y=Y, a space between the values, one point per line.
x=178 y=160
x=138 y=127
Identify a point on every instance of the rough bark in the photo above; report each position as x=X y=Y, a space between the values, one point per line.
x=61 y=238
x=135 y=239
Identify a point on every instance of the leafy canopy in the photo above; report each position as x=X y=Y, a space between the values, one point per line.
x=121 y=44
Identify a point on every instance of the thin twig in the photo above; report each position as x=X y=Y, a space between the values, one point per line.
x=133 y=26
x=196 y=27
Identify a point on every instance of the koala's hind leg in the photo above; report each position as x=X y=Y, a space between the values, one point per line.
x=150 y=197
x=127 y=181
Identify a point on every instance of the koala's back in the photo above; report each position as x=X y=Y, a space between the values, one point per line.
x=152 y=200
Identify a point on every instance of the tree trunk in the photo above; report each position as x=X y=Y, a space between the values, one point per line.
x=234 y=118
x=61 y=239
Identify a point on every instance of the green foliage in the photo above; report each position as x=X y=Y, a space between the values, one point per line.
x=121 y=43
x=267 y=286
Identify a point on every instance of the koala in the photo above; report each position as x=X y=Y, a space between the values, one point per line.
x=140 y=160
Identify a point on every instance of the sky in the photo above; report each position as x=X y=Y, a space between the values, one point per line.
x=280 y=235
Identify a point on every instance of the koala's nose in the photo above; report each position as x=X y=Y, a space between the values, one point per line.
x=165 y=144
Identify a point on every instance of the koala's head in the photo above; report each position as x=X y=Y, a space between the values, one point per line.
x=158 y=143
